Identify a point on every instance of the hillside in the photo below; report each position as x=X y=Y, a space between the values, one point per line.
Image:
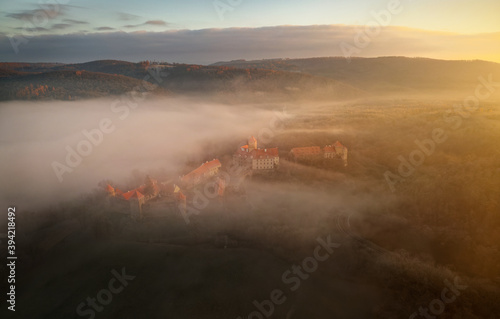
x=63 y=85
x=29 y=67
x=206 y=79
x=135 y=70
x=385 y=74
x=315 y=78
x=108 y=77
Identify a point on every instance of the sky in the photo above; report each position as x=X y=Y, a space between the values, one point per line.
x=206 y=31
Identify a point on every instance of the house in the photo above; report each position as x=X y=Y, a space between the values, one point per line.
x=135 y=198
x=334 y=151
x=310 y=152
x=329 y=151
x=341 y=151
x=256 y=158
x=202 y=173
x=168 y=190
x=265 y=159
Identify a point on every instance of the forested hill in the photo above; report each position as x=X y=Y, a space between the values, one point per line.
x=110 y=77
x=386 y=74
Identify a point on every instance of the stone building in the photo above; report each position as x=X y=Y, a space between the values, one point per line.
x=309 y=152
x=334 y=151
x=136 y=198
x=202 y=173
x=256 y=158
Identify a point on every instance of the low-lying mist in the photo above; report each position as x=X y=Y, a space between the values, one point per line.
x=155 y=135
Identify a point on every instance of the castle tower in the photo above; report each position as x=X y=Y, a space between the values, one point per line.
x=252 y=144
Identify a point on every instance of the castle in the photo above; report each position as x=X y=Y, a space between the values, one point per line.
x=202 y=173
x=249 y=156
x=257 y=159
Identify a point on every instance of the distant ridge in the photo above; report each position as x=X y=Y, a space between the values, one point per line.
x=385 y=74
x=109 y=77
x=314 y=78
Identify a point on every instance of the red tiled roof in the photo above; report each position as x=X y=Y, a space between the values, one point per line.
x=338 y=144
x=310 y=150
x=132 y=194
x=241 y=153
x=329 y=149
x=242 y=150
x=265 y=153
x=205 y=167
x=258 y=153
x=110 y=188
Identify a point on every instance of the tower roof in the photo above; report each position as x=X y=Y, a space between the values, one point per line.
x=133 y=194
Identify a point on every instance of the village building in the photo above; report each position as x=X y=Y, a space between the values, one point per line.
x=341 y=151
x=265 y=159
x=256 y=158
x=335 y=151
x=202 y=173
x=168 y=190
x=309 y=152
x=136 y=198
x=329 y=152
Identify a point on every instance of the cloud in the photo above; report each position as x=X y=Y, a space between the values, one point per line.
x=155 y=22
x=127 y=16
x=105 y=28
x=60 y=26
x=212 y=45
x=41 y=13
x=36 y=29
x=75 y=21
x=25 y=15
x=150 y=22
